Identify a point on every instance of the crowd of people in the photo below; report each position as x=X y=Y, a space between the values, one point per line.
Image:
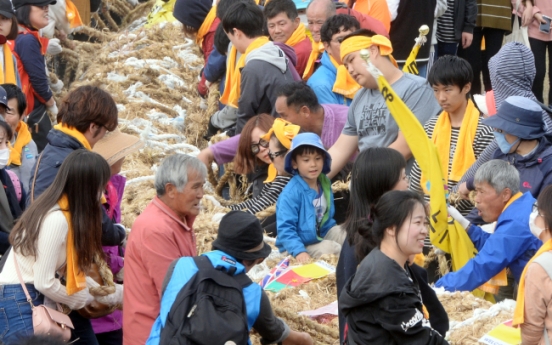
x=302 y=110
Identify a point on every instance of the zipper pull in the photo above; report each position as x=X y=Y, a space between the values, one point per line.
x=192 y=311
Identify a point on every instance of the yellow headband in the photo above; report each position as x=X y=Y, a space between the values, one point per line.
x=285 y=131
x=356 y=43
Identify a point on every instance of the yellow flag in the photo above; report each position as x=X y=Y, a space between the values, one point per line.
x=445 y=233
x=410 y=64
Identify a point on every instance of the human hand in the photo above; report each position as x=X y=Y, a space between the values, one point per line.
x=57 y=86
x=453 y=212
x=467 y=39
x=299 y=338
x=54 y=47
x=463 y=191
x=53 y=109
x=527 y=15
x=539 y=18
x=303 y=257
x=114 y=298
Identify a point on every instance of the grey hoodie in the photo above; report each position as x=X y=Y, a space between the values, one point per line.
x=266 y=70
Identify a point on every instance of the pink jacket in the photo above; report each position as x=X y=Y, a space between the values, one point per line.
x=543 y=7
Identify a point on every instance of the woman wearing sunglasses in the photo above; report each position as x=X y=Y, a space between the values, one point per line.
x=274 y=144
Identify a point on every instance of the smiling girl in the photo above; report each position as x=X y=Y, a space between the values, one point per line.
x=382 y=302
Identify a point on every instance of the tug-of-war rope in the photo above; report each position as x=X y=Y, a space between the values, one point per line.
x=152 y=73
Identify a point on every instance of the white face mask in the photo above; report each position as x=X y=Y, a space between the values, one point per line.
x=4 y=157
x=535 y=230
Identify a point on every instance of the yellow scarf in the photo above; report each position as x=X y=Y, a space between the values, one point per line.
x=519 y=312
x=75 y=278
x=297 y=36
x=232 y=91
x=206 y=25
x=23 y=138
x=317 y=49
x=356 y=43
x=344 y=84
x=285 y=132
x=7 y=74
x=74 y=133
x=73 y=15
x=464 y=156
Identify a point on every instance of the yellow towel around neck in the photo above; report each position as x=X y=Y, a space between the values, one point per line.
x=23 y=138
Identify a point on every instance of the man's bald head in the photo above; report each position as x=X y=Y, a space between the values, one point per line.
x=318 y=11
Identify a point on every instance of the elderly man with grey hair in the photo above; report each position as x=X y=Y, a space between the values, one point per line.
x=161 y=234
x=511 y=245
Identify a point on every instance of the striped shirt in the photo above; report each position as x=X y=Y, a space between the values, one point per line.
x=495 y=14
x=268 y=196
x=445 y=25
x=483 y=137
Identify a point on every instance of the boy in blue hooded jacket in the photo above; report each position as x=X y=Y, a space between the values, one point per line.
x=305 y=208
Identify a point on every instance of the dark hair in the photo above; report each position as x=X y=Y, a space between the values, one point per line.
x=376 y=170
x=224 y=5
x=7 y=128
x=392 y=210
x=14 y=30
x=451 y=70
x=545 y=205
x=88 y=104
x=82 y=177
x=334 y=24
x=23 y=16
x=299 y=94
x=245 y=161
x=221 y=40
x=246 y=17
x=361 y=32
x=275 y=7
x=278 y=142
x=306 y=150
x=13 y=91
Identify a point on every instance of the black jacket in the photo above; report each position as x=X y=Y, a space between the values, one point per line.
x=465 y=16
x=383 y=305
x=60 y=145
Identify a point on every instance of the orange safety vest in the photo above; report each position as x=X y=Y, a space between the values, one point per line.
x=26 y=86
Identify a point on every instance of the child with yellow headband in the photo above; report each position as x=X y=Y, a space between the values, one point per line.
x=369 y=123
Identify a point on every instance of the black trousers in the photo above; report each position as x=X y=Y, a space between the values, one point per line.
x=538 y=48
x=110 y=338
x=479 y=59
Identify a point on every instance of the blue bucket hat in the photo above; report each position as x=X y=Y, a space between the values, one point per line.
x=519 y=116
x=310 y=139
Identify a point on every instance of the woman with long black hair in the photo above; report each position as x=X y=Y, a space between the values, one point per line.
x=59 y=235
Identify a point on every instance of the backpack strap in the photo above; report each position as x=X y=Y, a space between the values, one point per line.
x=203 y=263
x=16 y=183
x=545 y=261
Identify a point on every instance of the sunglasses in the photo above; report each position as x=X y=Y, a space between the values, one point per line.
x=273 y=155
x=256 y=147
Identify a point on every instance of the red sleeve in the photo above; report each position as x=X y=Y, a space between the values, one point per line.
x=209 y=40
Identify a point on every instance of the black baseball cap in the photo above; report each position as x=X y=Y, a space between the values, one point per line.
x=6 y=9
x=39 y=3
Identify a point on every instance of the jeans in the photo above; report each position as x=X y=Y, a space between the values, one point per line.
x=538 y=48
x=446 y=49
x=16 y=320
x=479 y=59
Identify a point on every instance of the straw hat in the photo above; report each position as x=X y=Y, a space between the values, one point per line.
x=116 y=145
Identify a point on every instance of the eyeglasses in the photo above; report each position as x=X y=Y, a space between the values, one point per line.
x=536 y=209
x=256 y=147
x=273 y=155
x=406 y=178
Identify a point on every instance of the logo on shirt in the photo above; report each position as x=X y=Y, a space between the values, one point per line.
x=228 y=260
x=372 y=121
x=418 y=316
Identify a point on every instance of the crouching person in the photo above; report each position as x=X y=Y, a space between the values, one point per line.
x=209 y=299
